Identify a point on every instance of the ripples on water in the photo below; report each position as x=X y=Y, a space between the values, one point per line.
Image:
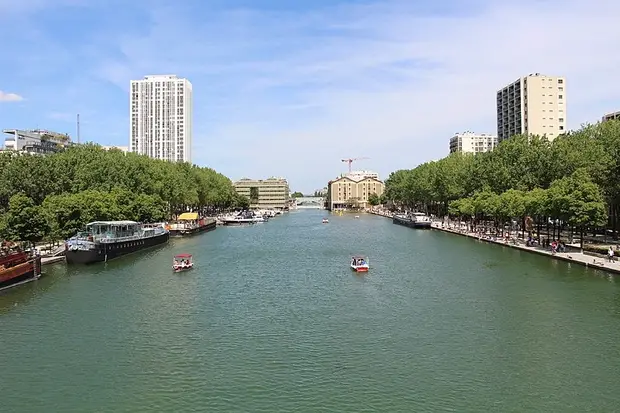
x=272 y=319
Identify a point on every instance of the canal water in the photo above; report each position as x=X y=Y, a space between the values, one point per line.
x=272 y=319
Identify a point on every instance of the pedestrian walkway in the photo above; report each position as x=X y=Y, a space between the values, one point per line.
x=574 y=257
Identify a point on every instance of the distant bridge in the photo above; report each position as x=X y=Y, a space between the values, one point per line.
x=310 y=203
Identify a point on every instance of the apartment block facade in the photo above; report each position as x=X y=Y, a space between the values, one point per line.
x=272 y=193
x=161 y=114
x=469 y=142
x=353 y=190
x=534 y=105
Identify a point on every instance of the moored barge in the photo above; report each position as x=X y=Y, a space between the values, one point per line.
x=18 y=267
x=106 y=240
x=190 y=223
x=417 y=220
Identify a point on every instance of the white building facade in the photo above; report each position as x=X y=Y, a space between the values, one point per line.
x=532 y=105
x=161 y=118
x=469 y=142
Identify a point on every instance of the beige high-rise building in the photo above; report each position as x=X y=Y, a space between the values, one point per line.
x=272 y=193
x=469 y=142
x=534 y=105
x=611 y=116
x=353 y=189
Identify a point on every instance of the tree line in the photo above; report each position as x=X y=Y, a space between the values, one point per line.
x=52 y=197
x=573 y=180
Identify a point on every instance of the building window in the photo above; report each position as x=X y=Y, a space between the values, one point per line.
x=560 y=96
x=560 y=81
x=561 y=127
x=561 y=119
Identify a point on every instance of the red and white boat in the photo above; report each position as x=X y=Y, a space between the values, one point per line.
x=359 y=263
x=182 y=262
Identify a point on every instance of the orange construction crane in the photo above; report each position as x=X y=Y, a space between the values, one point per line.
x=350 y=161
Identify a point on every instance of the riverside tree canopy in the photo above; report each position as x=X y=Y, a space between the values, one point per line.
x=52 y=197
x=574 y=178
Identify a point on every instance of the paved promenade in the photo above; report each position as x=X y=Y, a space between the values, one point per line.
x=573 y=256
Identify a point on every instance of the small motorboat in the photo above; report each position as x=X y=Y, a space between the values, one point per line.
x=182 y=262
x=357 y=217
x=325 y=221
x=359 y=263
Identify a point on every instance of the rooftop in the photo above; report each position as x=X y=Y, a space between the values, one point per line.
x=170 y=77
x=39 y=134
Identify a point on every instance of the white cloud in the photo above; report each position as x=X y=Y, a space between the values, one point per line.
x=387 y=82
x=9 y=97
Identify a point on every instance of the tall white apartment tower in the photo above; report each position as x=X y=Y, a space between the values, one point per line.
x=161 y=118
x=534 y=105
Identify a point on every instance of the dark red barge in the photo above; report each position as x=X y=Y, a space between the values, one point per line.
x=18 y=267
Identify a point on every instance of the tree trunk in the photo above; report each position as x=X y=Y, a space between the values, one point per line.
x=581 y=240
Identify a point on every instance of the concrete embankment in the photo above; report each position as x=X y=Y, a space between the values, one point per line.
x=575 y=257
x=51 y=260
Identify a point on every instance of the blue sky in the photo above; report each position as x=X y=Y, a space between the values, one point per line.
x=289 y=88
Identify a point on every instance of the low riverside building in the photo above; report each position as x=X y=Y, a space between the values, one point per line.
x=469 y=142
x=352 y=190
x=272 y=193
x=123 y=149
x=36 y=141
x=611 y=116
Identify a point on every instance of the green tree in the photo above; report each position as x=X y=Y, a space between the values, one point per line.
x=373 y=199
x=23 y=220
x=241 y=202
x=297 y=195
x=86 y=183
x=577 y=200
x=528 y=164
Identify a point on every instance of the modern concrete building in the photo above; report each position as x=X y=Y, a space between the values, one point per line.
x=36 y=141
x=534 y=105
x=612 y=116
x=272 y=193
x=161 y=118
x=469 y=142
x=352 y=190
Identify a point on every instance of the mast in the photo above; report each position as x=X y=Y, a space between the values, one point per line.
x=78 y=128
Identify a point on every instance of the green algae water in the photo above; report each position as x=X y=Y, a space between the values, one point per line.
x=272 y=319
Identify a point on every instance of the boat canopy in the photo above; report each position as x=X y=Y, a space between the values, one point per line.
x=188 y=216
x=359 y=257
x=183 y=256
x=112 y=223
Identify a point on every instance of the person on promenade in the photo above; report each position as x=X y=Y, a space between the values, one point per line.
x=610 y=254
x=561 y=246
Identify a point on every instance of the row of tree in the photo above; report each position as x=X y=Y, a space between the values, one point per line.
x=574 y=178
x=51 y=197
